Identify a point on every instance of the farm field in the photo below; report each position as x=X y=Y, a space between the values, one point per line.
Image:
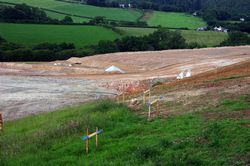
x=207 y=38
x=30 y=34
x=202 y=37
x=58 y=16
x=61 y=16
x=83 y=10
x=210 y=116
x=173 y=20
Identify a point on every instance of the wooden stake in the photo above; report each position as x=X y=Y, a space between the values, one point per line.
x=87 y=142
x=149 y=95
x=157 y=108
x=96 y=137
x=123 y=97
x=149 y=111
x=1 y=122
x=143 y=98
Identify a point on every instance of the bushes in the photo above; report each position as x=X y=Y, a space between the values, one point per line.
x=41 y=52
x=161 y=39
x=236 y=39
x=23 y=12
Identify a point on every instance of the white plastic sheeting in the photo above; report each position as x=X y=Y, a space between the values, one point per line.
x=114 y=69
x=184 y=74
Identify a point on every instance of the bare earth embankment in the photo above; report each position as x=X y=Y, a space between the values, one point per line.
x=32 y=88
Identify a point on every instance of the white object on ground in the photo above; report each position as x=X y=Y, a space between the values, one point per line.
x=180 y=76
x=114 y=69
x=189 y=73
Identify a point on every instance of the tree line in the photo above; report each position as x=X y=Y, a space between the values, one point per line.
x=27 y=14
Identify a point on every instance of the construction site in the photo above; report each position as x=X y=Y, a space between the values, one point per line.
x=32 y=88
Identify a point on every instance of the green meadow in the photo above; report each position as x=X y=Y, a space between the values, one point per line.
x=61 y=16
x=173 y=20
x=128 y=139
x=82 y=35
x=83 y=10
x=31 y=34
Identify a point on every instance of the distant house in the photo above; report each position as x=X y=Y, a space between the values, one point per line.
x=220 y=29
x=205 y=28
x=242 y=19
x=122 y=5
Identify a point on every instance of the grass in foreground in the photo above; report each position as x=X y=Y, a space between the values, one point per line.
x=174 y=20
x=189 y=139
x=31 y=34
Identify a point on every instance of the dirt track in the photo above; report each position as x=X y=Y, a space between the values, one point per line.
x=31 y=88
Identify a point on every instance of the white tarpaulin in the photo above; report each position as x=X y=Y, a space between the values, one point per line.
x=184 y=74
x=114 y=69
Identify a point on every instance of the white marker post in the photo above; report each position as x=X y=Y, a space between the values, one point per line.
x=149 y=107
x=144 y=95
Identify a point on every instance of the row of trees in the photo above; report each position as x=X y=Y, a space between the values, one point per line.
x=161 y=39
x=214 y=12
x=41 y=52
x=236 y=39
x=25 y=13
x=226 y=9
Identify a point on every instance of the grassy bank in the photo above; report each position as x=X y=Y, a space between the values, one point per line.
x=128 y=139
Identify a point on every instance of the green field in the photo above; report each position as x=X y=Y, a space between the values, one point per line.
x=131 y=31
x=61 y=16
x=202 y=37
x=31 y=34
x=207 y=38
x=173 y=20
x=128 y=139
x=83 y=10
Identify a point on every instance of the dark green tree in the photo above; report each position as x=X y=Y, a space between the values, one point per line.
x=67 y=20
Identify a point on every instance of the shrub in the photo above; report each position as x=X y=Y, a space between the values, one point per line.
x=146 y=153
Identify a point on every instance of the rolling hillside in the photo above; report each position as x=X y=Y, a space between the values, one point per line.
x=82 y=10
